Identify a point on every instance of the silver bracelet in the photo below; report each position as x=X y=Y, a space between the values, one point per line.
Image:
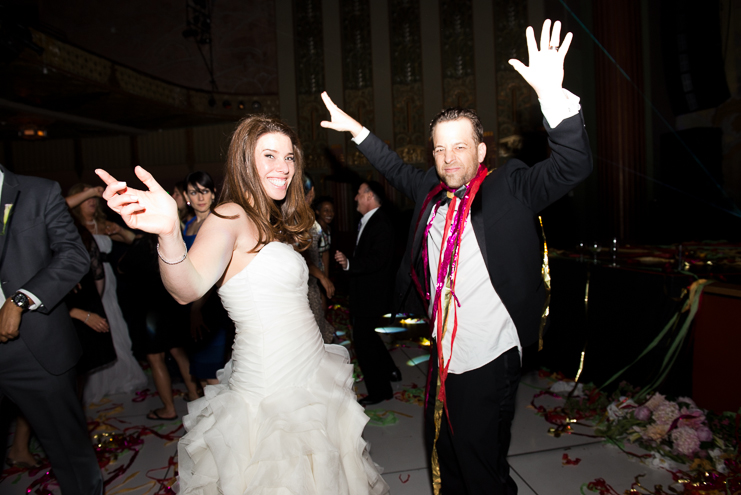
x=172 y=262
x=87 y=318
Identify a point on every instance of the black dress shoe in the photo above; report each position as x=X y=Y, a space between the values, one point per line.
x=395 y=375
x=369 y=400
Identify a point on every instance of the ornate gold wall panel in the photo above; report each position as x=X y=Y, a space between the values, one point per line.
x=147 y=87
x=459 y=87
x=309 y=53
x=357 y=69
x=410 y=129
x=71 y=59
x=514 y=100
x=313 y=137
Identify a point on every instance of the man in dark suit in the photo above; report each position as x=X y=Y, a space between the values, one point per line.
x=41 y=261
x=493 y=293
x=371 y=278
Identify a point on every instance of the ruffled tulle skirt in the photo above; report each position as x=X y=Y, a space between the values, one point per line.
x=297 y=440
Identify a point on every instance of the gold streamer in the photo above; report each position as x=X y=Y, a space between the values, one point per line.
x=546 y=273
x=436 y=481
x=581 y=367
x=586 y=315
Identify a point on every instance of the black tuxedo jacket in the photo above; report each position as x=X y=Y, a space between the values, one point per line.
x=503 y=216
x=41 y=252
x=371 y=268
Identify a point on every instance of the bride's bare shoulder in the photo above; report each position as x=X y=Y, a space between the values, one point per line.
x=239 y=222
x=231 y=210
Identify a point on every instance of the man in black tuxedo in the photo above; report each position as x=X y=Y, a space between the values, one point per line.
x=371 y=278
x=41 y=261
x=498 y=294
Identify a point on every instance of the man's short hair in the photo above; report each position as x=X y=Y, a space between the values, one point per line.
x=456 y=113
x=377 y=189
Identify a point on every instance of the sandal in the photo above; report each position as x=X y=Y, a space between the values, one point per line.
x=153 y=414
x=22 y=464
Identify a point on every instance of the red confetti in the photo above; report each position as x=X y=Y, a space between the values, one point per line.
x=600 y=485
x=568 y=461
x=404 y=481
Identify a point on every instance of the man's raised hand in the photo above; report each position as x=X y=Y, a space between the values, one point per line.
x=545 y=73
x=152 y=211
x=340 y=121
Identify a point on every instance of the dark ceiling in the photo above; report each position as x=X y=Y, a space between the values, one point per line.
x=71 y=93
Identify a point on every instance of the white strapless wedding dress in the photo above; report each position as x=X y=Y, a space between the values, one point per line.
x=283 y=418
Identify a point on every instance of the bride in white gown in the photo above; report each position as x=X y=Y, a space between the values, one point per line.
x=283 y=418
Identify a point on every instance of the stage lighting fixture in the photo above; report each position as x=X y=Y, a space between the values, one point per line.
x=240 y=105
x=227 y=105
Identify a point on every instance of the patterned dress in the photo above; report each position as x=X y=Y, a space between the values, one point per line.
x=313 y=254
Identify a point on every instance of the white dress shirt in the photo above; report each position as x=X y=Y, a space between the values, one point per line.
x=363 y=222
x=485 y=328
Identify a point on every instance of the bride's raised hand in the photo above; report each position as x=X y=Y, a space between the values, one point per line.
x=340 y=121
x=152 y=210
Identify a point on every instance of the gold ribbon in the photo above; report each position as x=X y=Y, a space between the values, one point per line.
x=546 y=273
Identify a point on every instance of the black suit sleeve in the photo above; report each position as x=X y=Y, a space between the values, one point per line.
x=406 y=178
x=69 y=258
x=378 y=249
x=569 y=164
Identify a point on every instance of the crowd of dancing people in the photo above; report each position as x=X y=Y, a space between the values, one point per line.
x=121 y=337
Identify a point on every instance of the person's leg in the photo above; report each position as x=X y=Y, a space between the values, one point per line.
x=370 y=350
x=451 y=476
x=481 y=405
x=181 y=358
x=19 y=452
x=50 y=405
x=163 y=384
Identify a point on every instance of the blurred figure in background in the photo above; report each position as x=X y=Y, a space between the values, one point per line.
x=185 y=212
x=324 y=211
x=124 y=374
x=85 y=304
x=370 y=269
x=159 y=325
x=317 y=271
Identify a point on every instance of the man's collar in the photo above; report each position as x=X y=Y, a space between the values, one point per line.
x=367 y=216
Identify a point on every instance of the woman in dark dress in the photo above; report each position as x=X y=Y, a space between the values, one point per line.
x=86 y=307
x=209 y=322
x=159 y=326
x=317 y=272
x=88 y=315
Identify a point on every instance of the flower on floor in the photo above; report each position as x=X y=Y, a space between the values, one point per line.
x=700 y=448
x=620 y=408
x=677 y=429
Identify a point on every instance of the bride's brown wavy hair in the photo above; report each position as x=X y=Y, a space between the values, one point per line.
x=288 y=220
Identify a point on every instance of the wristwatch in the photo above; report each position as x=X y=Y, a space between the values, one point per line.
x=20 y=300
